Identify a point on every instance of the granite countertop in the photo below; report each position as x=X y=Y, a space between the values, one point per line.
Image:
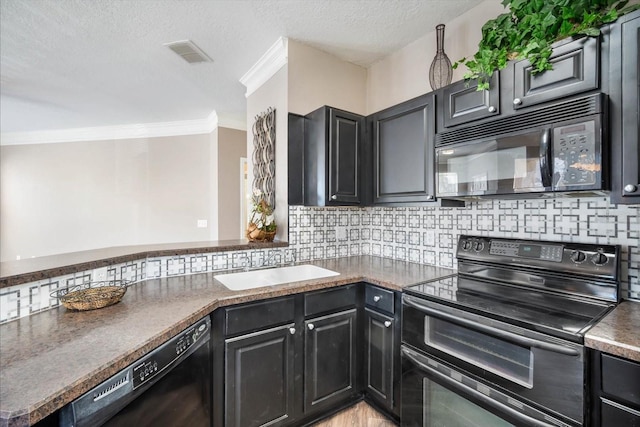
x=618 y=333
x=32 y=269
x=50 y=358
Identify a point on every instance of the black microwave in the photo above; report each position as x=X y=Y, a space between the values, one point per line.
x=557 y=148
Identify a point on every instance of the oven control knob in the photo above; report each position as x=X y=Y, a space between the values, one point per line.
x=466 y=245
x=478 y=246
x=599 y=259
x=578 y=257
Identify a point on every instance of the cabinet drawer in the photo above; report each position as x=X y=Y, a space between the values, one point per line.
x=621 y=379
x=329 y=300
x=379 y=298
x=614 y=415
x=575 y=70
x=464 y=103
x=258 y=315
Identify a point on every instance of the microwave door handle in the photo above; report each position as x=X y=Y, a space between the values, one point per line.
x=498 y=333
x=464 y=389
x=545 y=158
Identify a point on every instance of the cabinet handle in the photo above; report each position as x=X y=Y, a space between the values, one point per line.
x=630 y=188
x=310 y=326
x=377 y=298
x=492 y=109
x=292 y=331
x=334 y=197
x=387 y=323
x=517 y=101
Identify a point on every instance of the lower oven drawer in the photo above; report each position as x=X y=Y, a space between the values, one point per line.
x=435 y=394
x=537 y=368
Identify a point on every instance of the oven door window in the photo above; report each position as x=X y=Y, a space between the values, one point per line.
x=506 y=359
x=443 y=407
x=502 y=165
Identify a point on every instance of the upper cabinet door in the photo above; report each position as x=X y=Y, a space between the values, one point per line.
x=624 y=82
x=345 y=145
x=575 y=70
x=462 y=102
x=332 y=147
x=402 y=139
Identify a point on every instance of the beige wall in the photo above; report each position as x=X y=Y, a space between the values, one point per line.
x=232 y=146
x=273 y=93
x=405 y=74
x=317 y=78
x=74 y=196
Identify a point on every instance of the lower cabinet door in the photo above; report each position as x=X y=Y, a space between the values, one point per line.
x=379 y=344
x=259 y=378
x=330 y=353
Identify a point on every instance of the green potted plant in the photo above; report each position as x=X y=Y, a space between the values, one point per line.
x=530 y=27
x=262 y=225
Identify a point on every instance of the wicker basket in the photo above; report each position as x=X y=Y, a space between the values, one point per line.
x=91 y=296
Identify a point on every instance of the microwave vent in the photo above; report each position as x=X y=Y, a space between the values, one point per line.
x=557 y=112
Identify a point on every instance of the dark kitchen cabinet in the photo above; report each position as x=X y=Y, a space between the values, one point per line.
x=331 y=157
x=402 y=149
x=462 y=102
x=624 y=96
x=615 y=391
x=257 y=363
x=576 y=65
x=330 y=359
x=382 y=349
x=263 y=396
x=287 y=361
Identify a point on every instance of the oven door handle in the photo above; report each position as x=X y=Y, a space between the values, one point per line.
x=525 y=419
x=499 y=333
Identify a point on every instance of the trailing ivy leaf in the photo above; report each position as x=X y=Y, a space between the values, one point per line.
x=529 y=27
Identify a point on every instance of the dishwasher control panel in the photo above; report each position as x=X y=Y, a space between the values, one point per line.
x=179 y=347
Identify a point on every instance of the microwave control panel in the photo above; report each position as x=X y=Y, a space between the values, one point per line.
x=576 y=155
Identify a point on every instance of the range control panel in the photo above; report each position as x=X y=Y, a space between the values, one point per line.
x=586 y=259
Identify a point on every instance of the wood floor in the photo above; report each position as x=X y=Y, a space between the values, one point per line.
x=359 y=415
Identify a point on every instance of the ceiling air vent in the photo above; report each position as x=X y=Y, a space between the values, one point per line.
x=189 y=51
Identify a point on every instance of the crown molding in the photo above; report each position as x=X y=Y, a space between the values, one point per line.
x=273 y=59
x=101 y=133
x=231 y=123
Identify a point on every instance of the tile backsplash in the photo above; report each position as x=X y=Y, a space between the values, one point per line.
x=426 y=235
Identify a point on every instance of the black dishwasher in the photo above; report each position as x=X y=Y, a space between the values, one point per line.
x=170 y=386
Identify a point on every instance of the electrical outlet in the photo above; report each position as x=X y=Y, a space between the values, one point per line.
x=202 y=223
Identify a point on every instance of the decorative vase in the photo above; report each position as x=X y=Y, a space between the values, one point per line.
x=440 y=72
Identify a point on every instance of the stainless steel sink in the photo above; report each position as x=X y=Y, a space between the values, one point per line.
x=273 y=276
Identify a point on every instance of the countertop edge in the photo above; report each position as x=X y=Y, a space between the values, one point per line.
x=101 y=261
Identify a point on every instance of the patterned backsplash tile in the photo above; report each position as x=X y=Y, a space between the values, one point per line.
x=429 y=234
x=426 y=235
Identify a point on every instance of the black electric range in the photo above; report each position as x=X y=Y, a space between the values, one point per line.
x=561 y=289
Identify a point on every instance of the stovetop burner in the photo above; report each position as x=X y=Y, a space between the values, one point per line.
x=551 y=287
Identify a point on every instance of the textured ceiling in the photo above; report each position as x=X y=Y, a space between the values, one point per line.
x=84 y=63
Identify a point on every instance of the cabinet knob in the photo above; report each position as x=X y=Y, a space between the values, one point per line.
x=334 y=197
x=387 y=323
x=292 y=331
x=492 y=109
x=630 y=188
x=377 y=298
x=430 y=197
x=517 y=101
x=310 y=326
